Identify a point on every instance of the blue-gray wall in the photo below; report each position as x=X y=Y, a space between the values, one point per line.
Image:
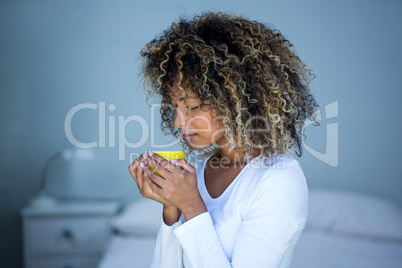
x=55 y=55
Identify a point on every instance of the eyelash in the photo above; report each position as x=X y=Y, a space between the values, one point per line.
x=192 y=108
x=196 y=107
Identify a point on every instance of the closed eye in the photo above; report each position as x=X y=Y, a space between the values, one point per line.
x=192 y=108
x=196 y=107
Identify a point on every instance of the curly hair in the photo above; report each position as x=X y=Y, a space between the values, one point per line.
x=243 y=69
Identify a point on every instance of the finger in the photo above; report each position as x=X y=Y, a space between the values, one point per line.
x=134 y=167
x=139 y=177
x=133 y=170
x=136 y=174
x=161 y=182
x=136 y=170
x=164 y=169
x=134 y=164
x=184 y=165
x=137 y=161
x=155 y=187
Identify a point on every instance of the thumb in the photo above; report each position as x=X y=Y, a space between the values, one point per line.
x=184 y=165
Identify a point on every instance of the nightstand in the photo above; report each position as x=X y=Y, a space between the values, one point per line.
x=70 y=234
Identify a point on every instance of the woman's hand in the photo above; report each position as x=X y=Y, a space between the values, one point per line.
x=178 y=185
x=137 y=173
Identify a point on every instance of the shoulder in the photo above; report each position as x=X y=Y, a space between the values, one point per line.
x=282 y=169
x=278 y=184
x=282 y=173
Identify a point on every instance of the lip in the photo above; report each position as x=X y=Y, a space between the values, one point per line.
x=188 y=137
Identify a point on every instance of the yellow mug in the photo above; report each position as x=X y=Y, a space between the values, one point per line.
x=168 y=155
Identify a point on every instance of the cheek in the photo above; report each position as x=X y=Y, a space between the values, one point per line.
x=200 y=122
x=211 y=128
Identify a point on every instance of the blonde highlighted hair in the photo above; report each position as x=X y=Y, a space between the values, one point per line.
x=246 y=71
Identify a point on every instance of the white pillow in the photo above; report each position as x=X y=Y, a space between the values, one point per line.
x=354 y=214
x=141 y=217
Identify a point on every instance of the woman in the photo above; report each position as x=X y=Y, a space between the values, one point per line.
x=236 y=92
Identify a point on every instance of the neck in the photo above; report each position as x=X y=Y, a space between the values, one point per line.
x=234 y=157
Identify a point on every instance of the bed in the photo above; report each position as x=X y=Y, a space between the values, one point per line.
x=343 y=229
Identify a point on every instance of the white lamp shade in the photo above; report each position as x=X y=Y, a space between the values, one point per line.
x=89 y=173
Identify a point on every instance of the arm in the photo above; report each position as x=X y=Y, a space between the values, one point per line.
x=276 y=213
x=171 y=215
x=274 y=220
x=273 y=225
x=167 y=252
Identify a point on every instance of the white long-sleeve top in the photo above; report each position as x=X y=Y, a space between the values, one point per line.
x=256 y=222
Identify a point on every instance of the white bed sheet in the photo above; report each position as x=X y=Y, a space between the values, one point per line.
x=128 y=252
x=331 y=250
x=315 y=249
x=344 y=230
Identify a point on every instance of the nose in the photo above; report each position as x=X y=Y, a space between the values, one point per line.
x=180 y=118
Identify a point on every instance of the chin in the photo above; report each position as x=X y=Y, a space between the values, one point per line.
x=195 y=146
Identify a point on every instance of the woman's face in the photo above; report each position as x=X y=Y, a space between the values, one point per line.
x=196 y=126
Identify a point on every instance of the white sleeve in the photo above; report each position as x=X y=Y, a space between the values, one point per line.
x=167 y=252
x=275 y=219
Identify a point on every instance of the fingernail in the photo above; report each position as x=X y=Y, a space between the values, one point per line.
x=142 y=164
x=150 y=152
x=145 y=155
x=174 y=161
